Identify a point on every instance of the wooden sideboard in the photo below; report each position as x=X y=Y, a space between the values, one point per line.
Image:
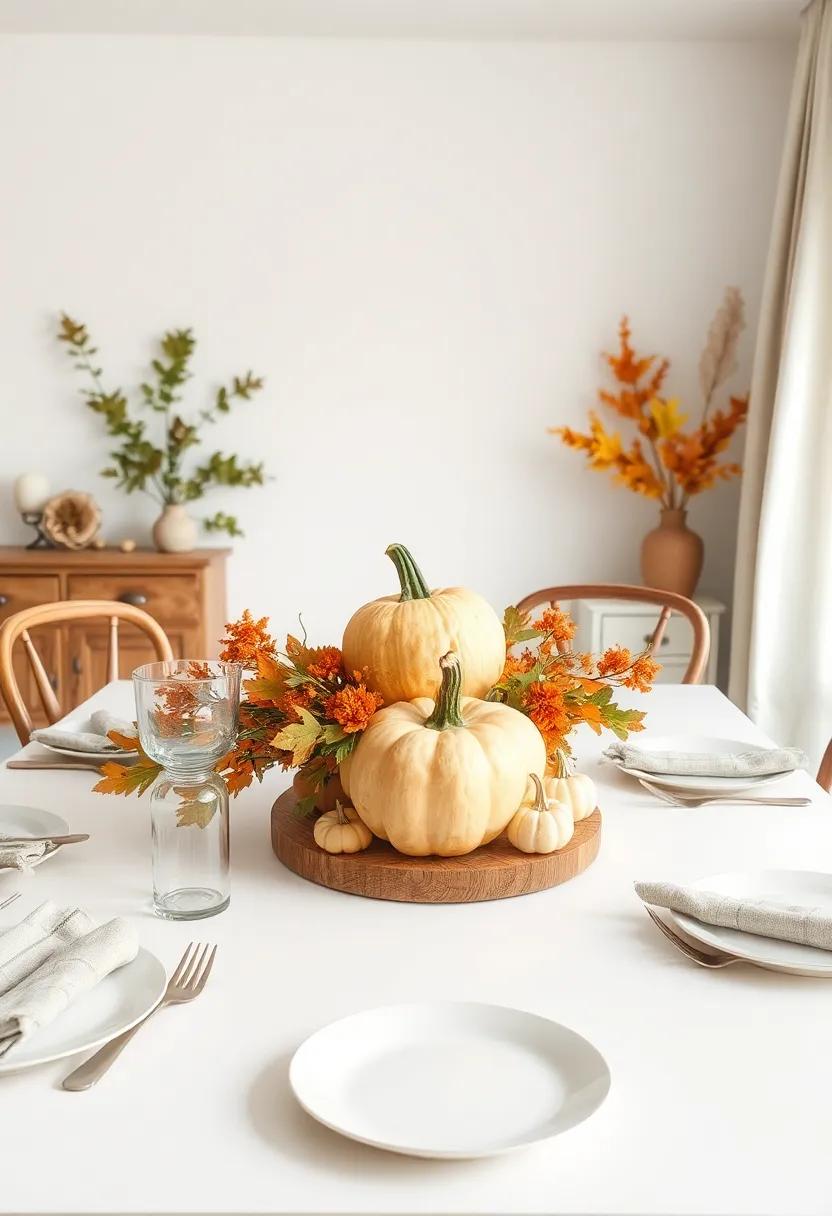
x=185 y=592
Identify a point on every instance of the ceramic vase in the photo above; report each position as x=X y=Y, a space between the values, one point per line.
x=175 y=531
x=671 y=555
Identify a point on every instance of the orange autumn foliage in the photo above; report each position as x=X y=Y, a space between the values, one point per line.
x=663 y=461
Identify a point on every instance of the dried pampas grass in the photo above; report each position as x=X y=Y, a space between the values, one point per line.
x=719 y=358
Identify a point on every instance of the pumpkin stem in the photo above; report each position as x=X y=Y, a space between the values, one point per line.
x=447 y=711
x=540 y=803
x=339 y=812
x=411 y=579
x=561 y=765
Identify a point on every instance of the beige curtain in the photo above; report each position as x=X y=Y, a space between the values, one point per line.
x=781 y=660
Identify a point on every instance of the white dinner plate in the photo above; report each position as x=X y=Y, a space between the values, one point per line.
x=94 y=757
x=697 y=744
x=447 y=1079
x=121 y=1000
x=781 y=886
x=31 y=821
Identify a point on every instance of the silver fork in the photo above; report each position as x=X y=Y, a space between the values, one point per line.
x=10 y=899
x=680 y=799
x=712 y=959
x=185 y=984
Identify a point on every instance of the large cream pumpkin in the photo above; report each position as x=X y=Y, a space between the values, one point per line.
x=442 y=778
x=399 y=639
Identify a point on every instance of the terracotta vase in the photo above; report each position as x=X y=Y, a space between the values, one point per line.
x=175 y=531
x=671 y=555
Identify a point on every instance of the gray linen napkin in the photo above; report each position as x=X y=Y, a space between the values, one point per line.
x=92 y=740
x=21 y=856
x=38 y=936
x=756 y=762
x=787 y=922
x=75 y=968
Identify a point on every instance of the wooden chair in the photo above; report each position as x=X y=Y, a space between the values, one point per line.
x=824 y=777
x=668 y=601
x=17 y=627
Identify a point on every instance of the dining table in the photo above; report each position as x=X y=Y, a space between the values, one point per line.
x=721 y=1079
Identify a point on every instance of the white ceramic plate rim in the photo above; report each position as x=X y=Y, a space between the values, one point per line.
x=78 y=754
x=753 y=948
x=298 y=1061
x=50 y=823
x=10 y=1064
x=700 y=743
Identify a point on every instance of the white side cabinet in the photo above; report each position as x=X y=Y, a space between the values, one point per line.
x=603 y=623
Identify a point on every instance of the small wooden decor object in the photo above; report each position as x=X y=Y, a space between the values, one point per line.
x=494 y=871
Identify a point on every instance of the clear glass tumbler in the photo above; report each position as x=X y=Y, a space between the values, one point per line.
x=187 y=714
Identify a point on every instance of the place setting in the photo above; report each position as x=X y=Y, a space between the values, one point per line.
x=695 y=770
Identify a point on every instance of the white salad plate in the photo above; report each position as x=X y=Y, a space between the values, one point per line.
x=805 y=888
x=121 y=1000
x=696 y=745
x=448 y=1079
x=22 y=821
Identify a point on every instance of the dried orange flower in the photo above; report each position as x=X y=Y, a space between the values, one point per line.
x=518 y=664
x=547 y=709
x=558 y=624
x=614 y=660
x=245 y=639
x=642 y=673
x=352 y=707
x=325 y=663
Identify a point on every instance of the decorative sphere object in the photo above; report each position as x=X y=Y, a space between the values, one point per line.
x=71 y=519
x=99 y=543
x=127 y=545
x=31 y=491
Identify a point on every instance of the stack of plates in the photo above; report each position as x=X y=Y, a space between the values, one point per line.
x=700 y=785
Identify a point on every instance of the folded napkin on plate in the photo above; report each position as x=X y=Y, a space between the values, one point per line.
x=18 y=856
x=39 y=935
x=92 y=740
x=756 y=762
x=72 y=969
x=786 y=922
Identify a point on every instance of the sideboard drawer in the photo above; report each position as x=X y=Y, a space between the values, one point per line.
x=19 y=591
x=635 y=631
x=172 y=597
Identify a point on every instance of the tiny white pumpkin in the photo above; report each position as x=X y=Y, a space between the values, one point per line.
x=540 y=825
x=342 y=831
x=577 y=791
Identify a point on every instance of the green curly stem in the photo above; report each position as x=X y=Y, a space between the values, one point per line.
x=447 y=711
x=411 y=579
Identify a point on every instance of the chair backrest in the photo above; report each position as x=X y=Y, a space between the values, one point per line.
x=17 y=627
x=824 y=777
x=668 y=602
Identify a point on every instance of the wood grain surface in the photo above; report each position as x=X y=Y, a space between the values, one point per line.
x=495 y=871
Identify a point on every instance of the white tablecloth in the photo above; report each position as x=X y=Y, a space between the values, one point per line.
x=721 y=1081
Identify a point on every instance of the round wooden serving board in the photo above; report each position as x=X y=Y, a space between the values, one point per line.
x=495 y=871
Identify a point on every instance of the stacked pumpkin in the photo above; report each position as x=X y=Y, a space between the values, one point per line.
x=439 y=769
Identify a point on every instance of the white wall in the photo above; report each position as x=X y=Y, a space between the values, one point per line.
x=422 y=246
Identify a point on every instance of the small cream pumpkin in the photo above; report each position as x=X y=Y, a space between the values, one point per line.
x=342 y=831
x=577 y=791
x=398 y=640
x=540 y=825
